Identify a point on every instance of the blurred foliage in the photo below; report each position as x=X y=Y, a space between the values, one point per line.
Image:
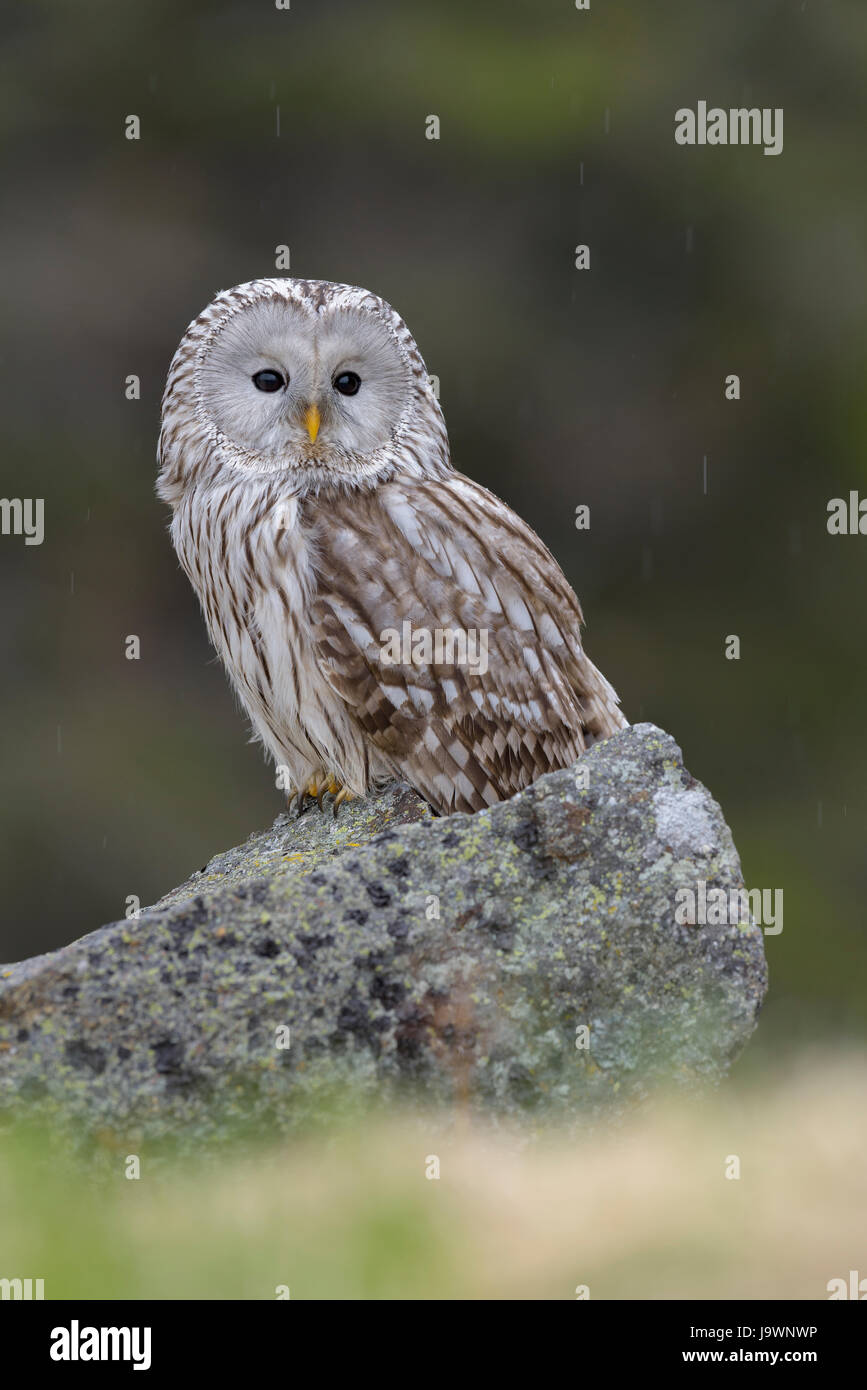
x=648 y=1210
x=559 y=387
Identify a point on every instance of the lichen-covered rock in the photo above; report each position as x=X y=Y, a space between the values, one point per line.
x=526 y=959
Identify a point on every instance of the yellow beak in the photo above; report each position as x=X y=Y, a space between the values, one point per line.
x=312 y=421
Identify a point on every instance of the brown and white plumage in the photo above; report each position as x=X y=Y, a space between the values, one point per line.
x=306 y=543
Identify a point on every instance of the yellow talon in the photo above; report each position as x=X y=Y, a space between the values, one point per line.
x=317 y=791
x=330 y=787
x=300 y=797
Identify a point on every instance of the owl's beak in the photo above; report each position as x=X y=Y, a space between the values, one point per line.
x=312 y=421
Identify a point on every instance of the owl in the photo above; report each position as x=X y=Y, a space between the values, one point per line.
x=379 y=614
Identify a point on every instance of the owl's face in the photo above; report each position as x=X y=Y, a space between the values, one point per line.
x=294 y=385
x=318 y=383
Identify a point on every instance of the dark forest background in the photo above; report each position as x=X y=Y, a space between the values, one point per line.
x=560 y=387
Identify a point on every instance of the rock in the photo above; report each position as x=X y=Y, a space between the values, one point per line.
x=403 y=955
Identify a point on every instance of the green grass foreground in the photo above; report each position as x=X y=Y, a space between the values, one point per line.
x=643 y=1210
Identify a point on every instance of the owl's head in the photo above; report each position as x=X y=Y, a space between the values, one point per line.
x=318 y=381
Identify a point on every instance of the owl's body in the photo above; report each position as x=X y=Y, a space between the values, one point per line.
x=331 y=545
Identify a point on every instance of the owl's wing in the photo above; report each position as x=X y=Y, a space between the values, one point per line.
x=467 y=726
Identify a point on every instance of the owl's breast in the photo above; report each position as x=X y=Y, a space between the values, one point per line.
x=249 y=558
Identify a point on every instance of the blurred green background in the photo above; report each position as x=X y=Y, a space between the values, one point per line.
x=641 y=1210
x=560 y=387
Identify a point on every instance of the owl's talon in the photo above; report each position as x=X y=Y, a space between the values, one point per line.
x=297 y=801
x=342 y=795
x=330 y=787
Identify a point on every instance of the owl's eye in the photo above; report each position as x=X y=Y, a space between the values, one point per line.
x=269 y=381
x=347 y=383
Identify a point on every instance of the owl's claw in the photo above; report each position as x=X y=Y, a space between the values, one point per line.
x=296 y=801
x=331 y=787
x=342 y=795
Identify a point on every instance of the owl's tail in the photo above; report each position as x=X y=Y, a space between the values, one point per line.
x=601 y=712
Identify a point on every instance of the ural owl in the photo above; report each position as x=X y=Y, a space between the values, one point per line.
x=379 y=614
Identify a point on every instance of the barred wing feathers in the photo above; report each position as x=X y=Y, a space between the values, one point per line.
x=445 y=554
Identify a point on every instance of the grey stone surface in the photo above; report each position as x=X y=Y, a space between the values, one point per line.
x=409 y=956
